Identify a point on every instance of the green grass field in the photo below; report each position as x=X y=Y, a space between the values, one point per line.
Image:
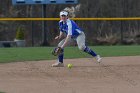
x=44 y=53
x=2 y=92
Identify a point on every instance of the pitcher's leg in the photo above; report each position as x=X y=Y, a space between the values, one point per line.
x=61 y=43
x=89 y=51
x=81 y=44
x=59 y=62
x=61 y=56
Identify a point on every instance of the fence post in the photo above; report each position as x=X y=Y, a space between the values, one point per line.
x=121 y=31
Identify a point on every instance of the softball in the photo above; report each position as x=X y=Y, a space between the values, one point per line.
x=70 y=66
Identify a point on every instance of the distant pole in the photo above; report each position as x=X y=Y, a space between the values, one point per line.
x=122 y=3
x=44 y=34
x=121 y=31
x=31 y=15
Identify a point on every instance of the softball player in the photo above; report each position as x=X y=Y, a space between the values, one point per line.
x=72 y=31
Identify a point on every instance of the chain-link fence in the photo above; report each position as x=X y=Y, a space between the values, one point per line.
x=99 y=31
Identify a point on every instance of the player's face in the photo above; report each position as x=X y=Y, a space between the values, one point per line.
x=63 y=17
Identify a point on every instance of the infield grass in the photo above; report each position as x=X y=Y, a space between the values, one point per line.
x=44 y=53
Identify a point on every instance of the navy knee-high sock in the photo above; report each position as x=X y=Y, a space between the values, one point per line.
x=89 y=51
x=61 y=57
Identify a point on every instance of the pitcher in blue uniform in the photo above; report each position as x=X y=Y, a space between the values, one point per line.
x=72 y=32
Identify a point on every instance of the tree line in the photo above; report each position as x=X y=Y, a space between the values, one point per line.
x=97 y=32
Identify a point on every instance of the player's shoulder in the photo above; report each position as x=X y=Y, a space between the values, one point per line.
x=60 y=21
x=69 y=21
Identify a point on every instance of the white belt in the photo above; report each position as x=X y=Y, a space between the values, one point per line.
x=79 y=31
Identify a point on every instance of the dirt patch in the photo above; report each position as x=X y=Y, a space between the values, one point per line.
x=113 y=75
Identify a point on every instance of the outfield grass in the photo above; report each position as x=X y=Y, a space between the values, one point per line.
x=44 y=53
x=2 y=92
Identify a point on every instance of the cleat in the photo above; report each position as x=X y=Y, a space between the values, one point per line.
x=98 y=58
x=58 y=64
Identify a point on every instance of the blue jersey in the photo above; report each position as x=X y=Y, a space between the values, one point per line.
x=70 y=28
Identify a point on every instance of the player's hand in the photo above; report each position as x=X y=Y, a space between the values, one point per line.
x=57 y=37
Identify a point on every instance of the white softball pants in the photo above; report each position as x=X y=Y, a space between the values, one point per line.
x=80 y=41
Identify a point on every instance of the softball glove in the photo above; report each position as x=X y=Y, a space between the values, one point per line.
x=57 y=51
